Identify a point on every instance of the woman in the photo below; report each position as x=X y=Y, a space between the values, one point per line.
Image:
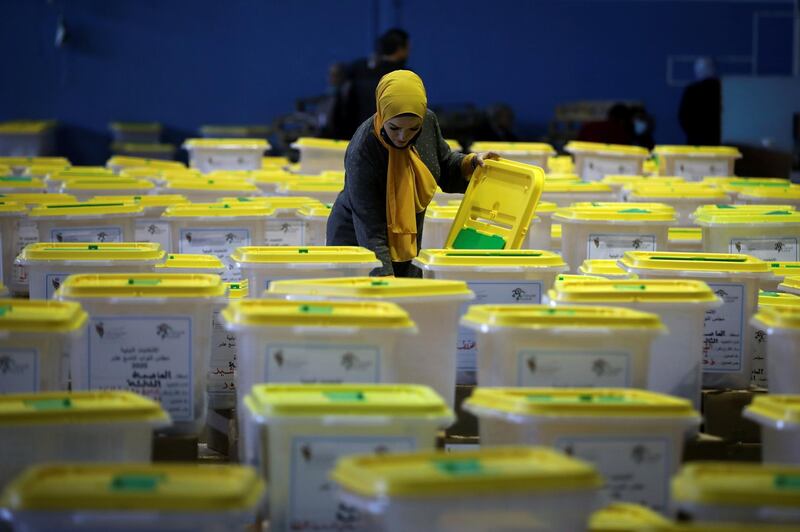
x=393 y=165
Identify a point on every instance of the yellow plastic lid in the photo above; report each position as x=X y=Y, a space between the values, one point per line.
x=781 y=217
x=698 y=151
x=90 y=209
x=211 y=185
x=272 y=400
x=779 y=317
x=546 y=207
x=87 y=171
x=606 y=149
x=769 y=298
x=446 y=212
x=790 y=283
x=616 y=205
x=513 y=147
x=371 y=288
x=685 y=234
x=273 y=161
x=323 y=144
x=308 y=254
x=674 y=261
x=147 y=200
x=12 y=182
x=218 y=210
x=43 y=170
x=278 y=313
x=490 y=471
x=142 y=147
x=187 y=261
x=602 y=268
x=562 y=178
x=95 y=252
x=37 y=198
x=633 y=291
x=621 y=213
x=136 y=127
x=743 y=184
x=239 y=289
x=621 y=179
x=16 y=162
x=588 y=187
x=311 y=186
x=625 y=517
x=12 y=208
x=142 y=285
x=785 y=268
x=543 y=317
x=227 y=144
x=555 y=231
x=126 y=161
x=110 y=406
x=484 y=259
x=737 y=484
x=771 y=193
x=40 y=316
x=776 y=409
x=565 y=277
x=107 y=184
x=594 y=402
x=724 y=208
x=125 y=488
x=277 y=202
x=687 y=191
x=314 y=211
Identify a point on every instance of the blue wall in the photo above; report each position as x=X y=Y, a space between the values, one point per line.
x=186 y=63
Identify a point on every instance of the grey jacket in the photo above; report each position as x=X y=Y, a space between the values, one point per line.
x=358 y=217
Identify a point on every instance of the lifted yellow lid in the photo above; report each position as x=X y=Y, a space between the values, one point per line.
x=620 y=213
x=737 y=484
x=768 y=298
x=218 y=210
x=538 y=148
x=126 y=488
x=698 y=151
x=188 y=261
x=543 y=317
x=490 y=471
x=126 y=161
x=14 y=182
x=141 y=285
x=274 y=400
x=148 y=200
x=111 y=406
x=588 y=187
x=278 y=313
x=670 y=262
x=86 y=209
x=782 y=411
x=372 y=288
x=491 y=259
x=96 y=252
x=685 y=234
x=594 y=402
x=633 y=291
x=603 y=268
x=309 y=254
x=226 y=144
x=779 y=317
x=626 y=517
x=606 y=149
x=40 y=316
x=239 y=289
x=321 y=144
x=222 y=186
x=780 y=217
x=37 y=198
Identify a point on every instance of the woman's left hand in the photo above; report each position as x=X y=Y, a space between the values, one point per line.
x=480 y=158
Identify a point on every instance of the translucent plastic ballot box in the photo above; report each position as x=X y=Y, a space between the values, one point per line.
x=593 y=161
x=37 y=339
x=696 y=162
x=324 y=191
x=782 y=326
x=790 y=284
x=688 y=239
x=148 y=333
x=85 y=189
x=438 y=221
x=498 y=206
x=151 y=227
x=768 y=299
x=737 y=492
x=533 y=153
x=676 y=358
x=286 y=226
x=684 y=198
x=565 y=194
x=781 y=270
x=502 y=488
x=633 y=437
x=27 y=138
x=769 y=235
x=605 y=268
x=623 y=184
x=496 y=277
x=217 y=229
x=224 y=354
x=537 y=345
x=779 y=418
x=261 y=265
x=97 y=426
x=608 y=230
x=86 y=221
x=319 y=155
x=225 y=154
x=10 y=184
x=11 y=214
x=190 y=263
x=727 y=348
x=315 y=224
x=166 y=497
x=209 y=190
x=303 y=429
x=767 y=195
x=626 y=517
x=433 y=304
x=19 y=164
x=48 y=263
x=540 y=231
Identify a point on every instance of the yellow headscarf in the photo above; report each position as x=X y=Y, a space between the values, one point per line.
x=409 y=185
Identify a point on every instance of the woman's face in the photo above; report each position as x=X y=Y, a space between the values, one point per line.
x=401 y=129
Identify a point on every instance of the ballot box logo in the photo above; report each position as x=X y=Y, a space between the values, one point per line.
x=279 y=358
x=306 y=453
x=166 y=331
x=101 y=236
x=351 y=362
x=641 y=454
x=531 y=363
x=520 y=294
x=284 y=228
x=596 y=242
x=10 y=366
x=151 y=229
x=603 y=368
x=637 y=243
x=779 y=246
x=760 y=336
x=108 y=332
x=55 y=282
x=59 y=237
x=738 y=246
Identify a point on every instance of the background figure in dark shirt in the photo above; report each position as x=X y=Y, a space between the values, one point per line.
x=700 y=113
x=499 y=124
x=643 y=127
x=615 y=129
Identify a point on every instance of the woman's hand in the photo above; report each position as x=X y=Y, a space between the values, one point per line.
x=480 y=158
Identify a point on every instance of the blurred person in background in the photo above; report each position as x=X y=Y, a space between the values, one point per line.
x=499 y=124
x=700 y=112
x=615 y=129
x=642 y=128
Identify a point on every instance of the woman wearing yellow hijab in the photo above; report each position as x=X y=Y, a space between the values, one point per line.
x=393 y=164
